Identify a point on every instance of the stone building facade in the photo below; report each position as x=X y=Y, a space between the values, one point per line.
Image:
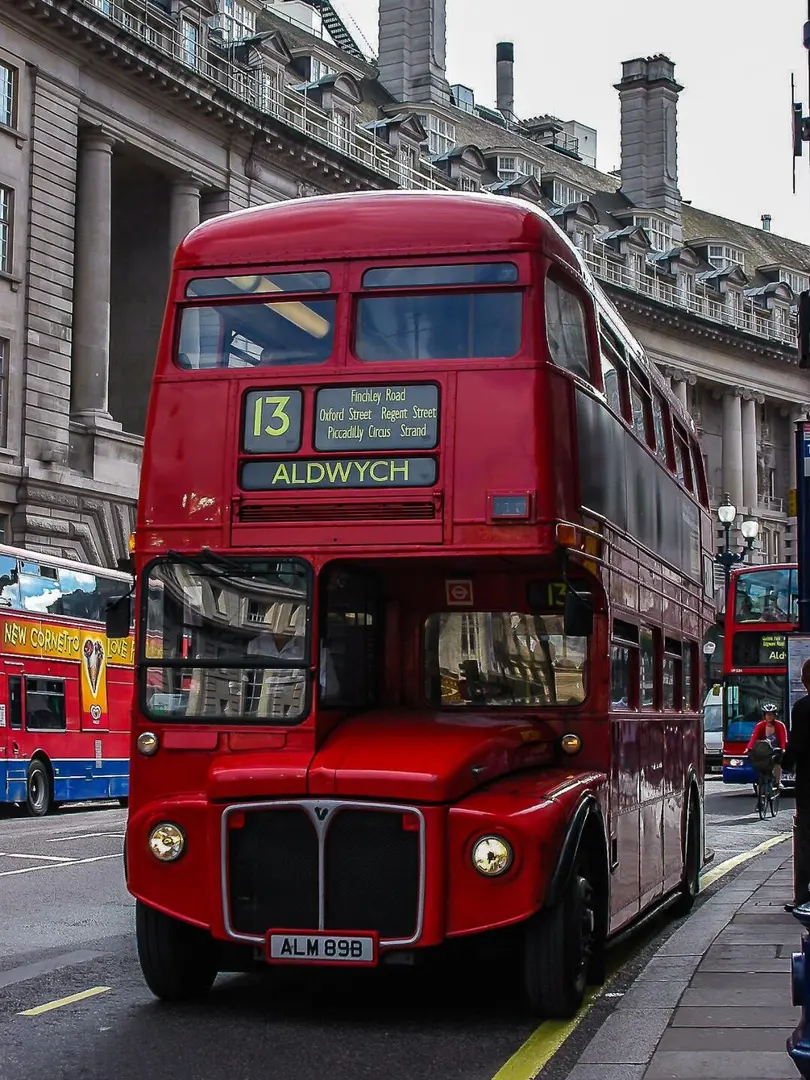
x=123 y=123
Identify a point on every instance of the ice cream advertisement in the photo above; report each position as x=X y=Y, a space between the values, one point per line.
x=94 y=678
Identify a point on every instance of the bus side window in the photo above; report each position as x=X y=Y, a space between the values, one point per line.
x=45 y=705
x=9 y=583
x=15 y=702
x=689 y=649
x=648 y=679
x=624 y=666
x=673 y=675
x=566 y=329
x=700 y=475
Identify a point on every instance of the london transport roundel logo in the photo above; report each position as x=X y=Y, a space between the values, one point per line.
x=459 y=593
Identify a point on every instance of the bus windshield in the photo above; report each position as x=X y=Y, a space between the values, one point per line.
x=502 y=658
x=226 y=642
x=769 y=596
x=745 y=696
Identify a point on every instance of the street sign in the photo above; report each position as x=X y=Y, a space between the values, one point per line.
x=806 y=448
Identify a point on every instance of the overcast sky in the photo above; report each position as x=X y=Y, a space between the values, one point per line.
x=734 y=60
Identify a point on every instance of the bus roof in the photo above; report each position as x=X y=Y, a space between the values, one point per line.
x=383 y=223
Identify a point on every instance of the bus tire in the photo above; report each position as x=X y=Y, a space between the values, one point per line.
x=691 y=869
x=38 y=790
x=177 y=960
x=558 y=951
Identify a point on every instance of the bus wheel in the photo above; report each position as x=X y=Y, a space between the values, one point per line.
x=177 y=960
x=691 y=870
x=38 y=794
x=558 y=951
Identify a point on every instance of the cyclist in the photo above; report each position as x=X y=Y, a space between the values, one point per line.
x=770 y=729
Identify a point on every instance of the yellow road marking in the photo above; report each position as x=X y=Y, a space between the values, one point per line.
x=726 y=867
x=546 y=1040
x=61 y=1002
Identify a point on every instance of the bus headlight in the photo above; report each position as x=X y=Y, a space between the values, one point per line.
x=492 y=856
x=167 y=842
x=735 y=762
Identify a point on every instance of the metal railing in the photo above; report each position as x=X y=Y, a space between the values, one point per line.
x=182 y=42
x=772 y=503
x=742 y=316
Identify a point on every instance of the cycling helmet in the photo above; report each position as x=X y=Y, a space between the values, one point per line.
x=769 y=707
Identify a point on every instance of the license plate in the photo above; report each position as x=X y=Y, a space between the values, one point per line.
x=321 y=948
x=715 y=768
x=788 y=776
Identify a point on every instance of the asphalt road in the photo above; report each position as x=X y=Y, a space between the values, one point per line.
x=66 y=928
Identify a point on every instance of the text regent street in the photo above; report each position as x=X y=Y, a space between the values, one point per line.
x=351 y=472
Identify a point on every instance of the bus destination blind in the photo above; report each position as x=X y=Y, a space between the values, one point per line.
x=383 y=418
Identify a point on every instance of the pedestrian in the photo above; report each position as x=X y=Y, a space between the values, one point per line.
x=797 y=760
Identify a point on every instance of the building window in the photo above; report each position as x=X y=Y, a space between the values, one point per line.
x=8 y=95
x=771 y=483
x=583 y=238
x=658 y=230
x=408 y=164
x=268 y=91
x=564 y=194
x=191 y=42
x=441 y=134
x=341 y=128
x=797 y=282
x=467 y=183
x=6 y=211
x=511 y=167
x=319 y=70
x=104 y=6
x=722 y=256
x=5 y=350
x=686 y=287
x=236 y=21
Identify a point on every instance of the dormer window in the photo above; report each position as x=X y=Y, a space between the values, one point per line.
x=318 y=69
x=564 y=194
x=798 y=282
x=341 y=127
x=441 y=134
x=236 y=21
x=511 y=167
x=269 y=95
x=467 y=183
x=658 y=230
x=721 y=256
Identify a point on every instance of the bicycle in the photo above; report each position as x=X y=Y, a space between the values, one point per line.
x=763 y=757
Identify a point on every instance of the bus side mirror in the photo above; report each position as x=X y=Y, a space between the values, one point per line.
x=119 y=617
x=577 y=614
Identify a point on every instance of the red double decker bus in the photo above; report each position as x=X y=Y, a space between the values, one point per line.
x=762 y=609
x=422 y=564
x=65 y=689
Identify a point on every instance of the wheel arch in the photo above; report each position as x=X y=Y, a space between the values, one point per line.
x=586 y=827
x=692 y=798
x=44 y=759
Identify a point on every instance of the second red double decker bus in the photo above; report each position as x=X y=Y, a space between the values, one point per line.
x=422 y=564
x=762 y=609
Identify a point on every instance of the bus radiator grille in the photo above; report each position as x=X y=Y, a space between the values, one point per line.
x=345 y=511
x=371 y=871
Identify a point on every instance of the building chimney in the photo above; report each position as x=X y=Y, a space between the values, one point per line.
x=505 y=79
x=413 y=40
x=648 y=96
x=766 y=222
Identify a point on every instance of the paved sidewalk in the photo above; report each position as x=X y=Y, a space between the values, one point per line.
x=714 y=1002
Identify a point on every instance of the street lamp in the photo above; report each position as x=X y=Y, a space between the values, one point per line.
x=726 y=514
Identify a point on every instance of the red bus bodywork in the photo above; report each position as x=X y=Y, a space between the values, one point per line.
x=534 y=479
x=65 y=689
x=762 y=609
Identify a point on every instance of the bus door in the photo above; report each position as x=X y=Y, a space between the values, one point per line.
x=13 y=758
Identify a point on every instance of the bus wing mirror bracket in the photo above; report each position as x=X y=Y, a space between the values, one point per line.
x=577 y=614
x=119 y=617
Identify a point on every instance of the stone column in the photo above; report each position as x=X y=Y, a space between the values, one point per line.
x=749 y=453
x=91 y=301
x=184 y=212
x=732 y=446
x=679 y=386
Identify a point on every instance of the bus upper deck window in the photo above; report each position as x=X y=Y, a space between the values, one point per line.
x=566 y=329
x=251 y=326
